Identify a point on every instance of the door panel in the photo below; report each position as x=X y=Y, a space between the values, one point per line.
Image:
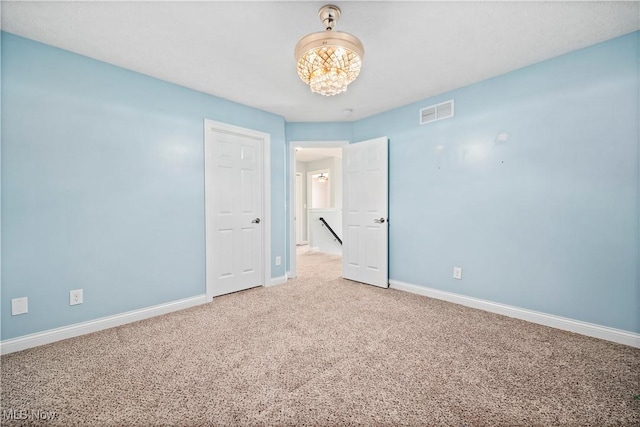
x=365 y=212
x=225 y=194
x=247 y=191
x=372 y=243
x=352 y=256
x=225 y=261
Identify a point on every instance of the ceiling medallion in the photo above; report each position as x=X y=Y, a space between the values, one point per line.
x=329 y=61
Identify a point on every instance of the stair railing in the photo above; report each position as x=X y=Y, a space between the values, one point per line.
x=330 y=229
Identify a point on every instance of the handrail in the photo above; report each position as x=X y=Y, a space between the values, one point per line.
x=331 y=230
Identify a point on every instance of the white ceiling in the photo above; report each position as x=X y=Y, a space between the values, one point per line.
x=243 y=51
x=312 y=154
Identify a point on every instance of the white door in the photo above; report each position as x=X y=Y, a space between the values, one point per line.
x=234 y=209
x=365 y=251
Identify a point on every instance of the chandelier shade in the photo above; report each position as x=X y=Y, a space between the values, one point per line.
x=329 y=61
x=322 y=178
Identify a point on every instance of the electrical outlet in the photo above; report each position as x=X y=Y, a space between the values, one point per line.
x=278 y=260
x=457 y=273
x=75 y=297
x=19 y=306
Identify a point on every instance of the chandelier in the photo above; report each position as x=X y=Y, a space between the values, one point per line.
x=322 y=178
x=329 y=61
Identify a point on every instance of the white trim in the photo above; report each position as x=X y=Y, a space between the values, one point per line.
x=277 y=281
x=589 y=329
x=57 y=334
x=266 y=195
x=292 y=190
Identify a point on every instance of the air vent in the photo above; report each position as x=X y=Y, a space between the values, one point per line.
x=436 y=112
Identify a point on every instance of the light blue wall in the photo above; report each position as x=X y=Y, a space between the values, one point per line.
x=103 y=186
x=547 y=221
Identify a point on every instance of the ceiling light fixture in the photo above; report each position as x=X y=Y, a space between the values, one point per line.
x=322 y=178
x=329 y=61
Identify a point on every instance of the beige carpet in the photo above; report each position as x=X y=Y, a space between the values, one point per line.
x=323 y=351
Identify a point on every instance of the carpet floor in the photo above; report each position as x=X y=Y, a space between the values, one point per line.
x=323 y=351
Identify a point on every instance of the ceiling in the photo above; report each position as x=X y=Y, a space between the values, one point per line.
x=310 y=154
x=243 y=51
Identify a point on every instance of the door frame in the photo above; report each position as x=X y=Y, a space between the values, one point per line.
x=210 y=125
x=292 y=273
x=299 y=210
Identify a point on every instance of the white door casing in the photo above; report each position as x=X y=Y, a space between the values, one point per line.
x=236 y=208
x=365 y=251
x=299 y=218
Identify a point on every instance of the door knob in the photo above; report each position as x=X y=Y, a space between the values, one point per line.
x=256 y=221
x=379 y=221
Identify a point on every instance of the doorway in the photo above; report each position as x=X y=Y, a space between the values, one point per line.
x=315 y=192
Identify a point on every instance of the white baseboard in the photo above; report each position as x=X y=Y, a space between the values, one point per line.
x=571 y=325
x=52 y=335
x=277 y=281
